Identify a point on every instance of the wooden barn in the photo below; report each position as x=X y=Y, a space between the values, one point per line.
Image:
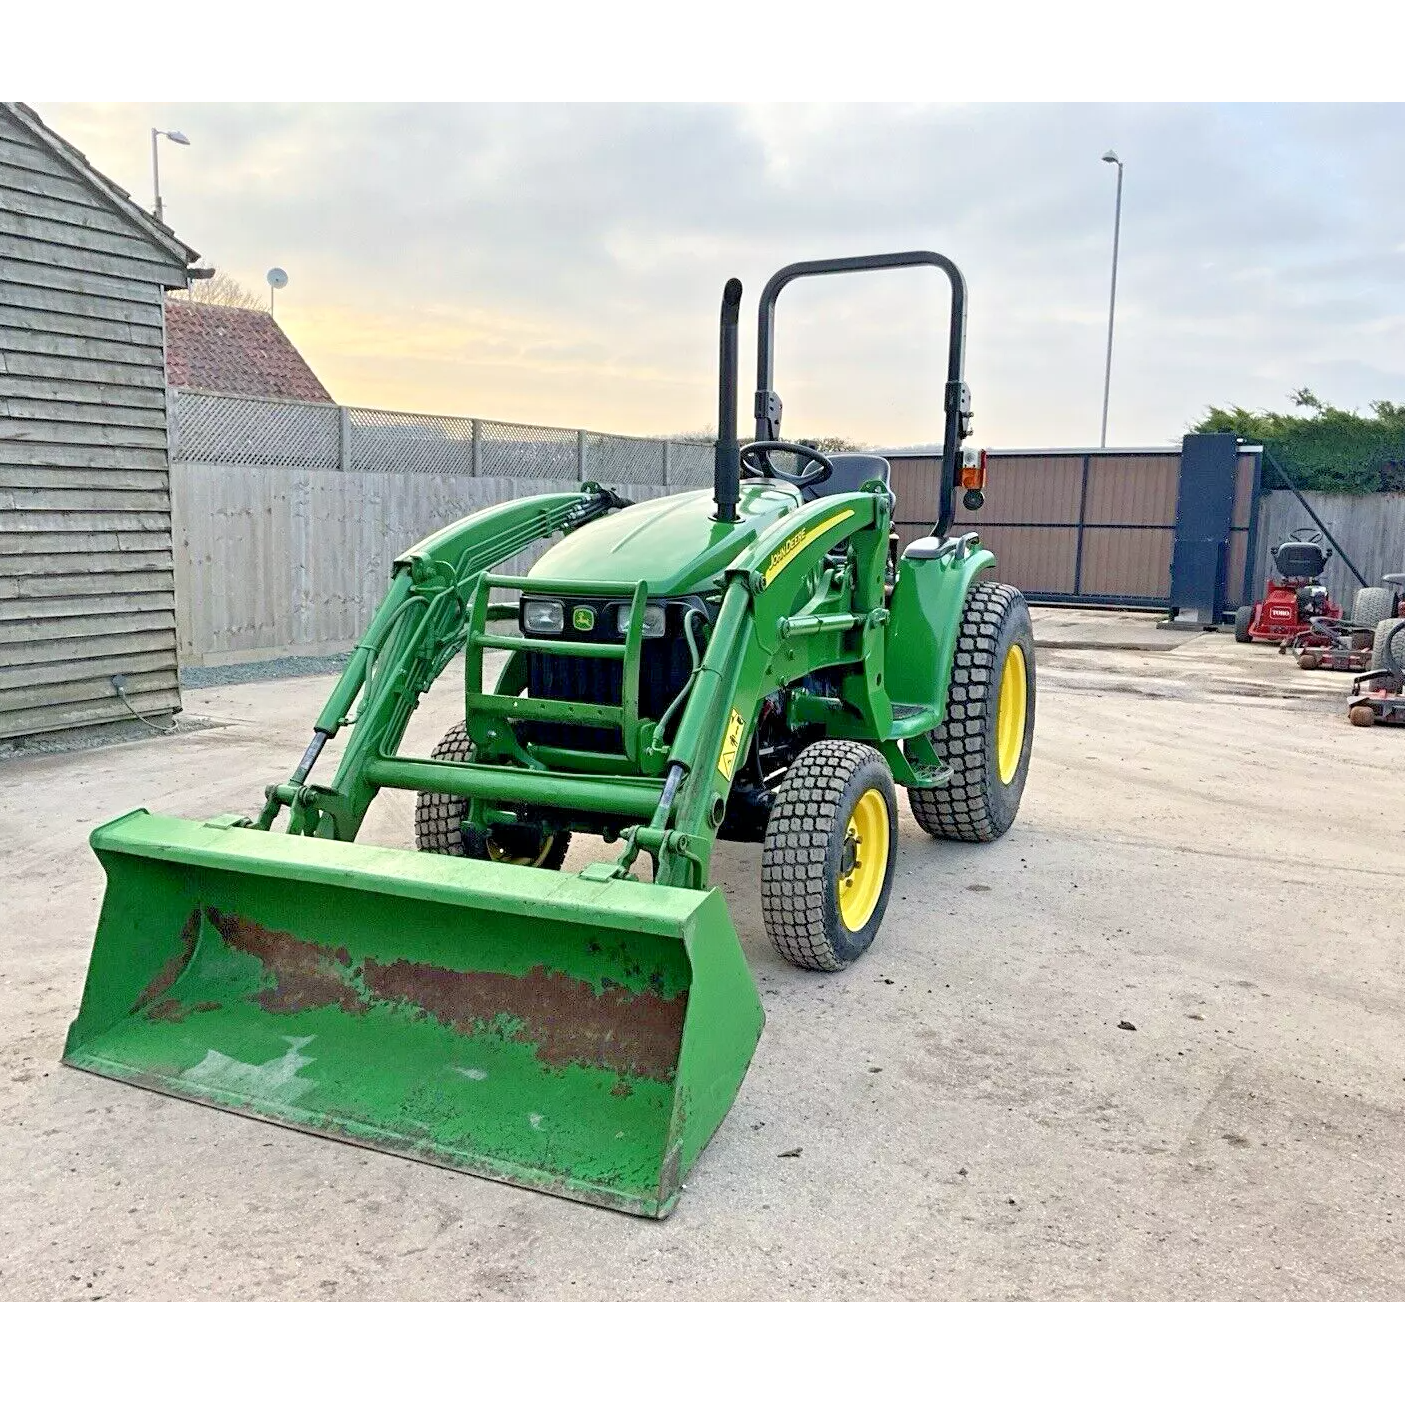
x=86 y=579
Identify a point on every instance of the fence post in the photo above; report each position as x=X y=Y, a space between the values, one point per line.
x=667 y=463
x=475 y=466
x=580 y=456
x=344 y=450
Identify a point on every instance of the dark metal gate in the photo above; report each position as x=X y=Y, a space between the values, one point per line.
x=1083 y=526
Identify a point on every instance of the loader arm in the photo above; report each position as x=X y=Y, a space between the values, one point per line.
x=783 y=616
x=420 y=625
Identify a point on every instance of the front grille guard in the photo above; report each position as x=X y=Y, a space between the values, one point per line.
x=637 y=733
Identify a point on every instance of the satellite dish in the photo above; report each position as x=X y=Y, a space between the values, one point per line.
x=276 y=279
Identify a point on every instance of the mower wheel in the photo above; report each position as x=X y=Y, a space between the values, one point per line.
x=1374 y=603
x=1309 y=659
x=1243 y=618
x=1362 y=715
x=439 y=822
x=1378 y=646
x=989 y=727
x=827 y=859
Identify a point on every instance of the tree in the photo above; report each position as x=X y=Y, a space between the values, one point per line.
x=835 y=444
x=1328 y=449
x=225 y=291
x=829 y=444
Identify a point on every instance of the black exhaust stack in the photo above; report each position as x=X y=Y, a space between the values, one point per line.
x=726 y=462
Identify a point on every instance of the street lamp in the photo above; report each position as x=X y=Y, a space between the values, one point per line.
x=1113 y=159
x=180 y=139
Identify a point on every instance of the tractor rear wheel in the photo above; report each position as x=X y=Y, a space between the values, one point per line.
x=989 y=726
x=1243 y=618
x=827 y=859
x=439 y=822
x=1374 y=603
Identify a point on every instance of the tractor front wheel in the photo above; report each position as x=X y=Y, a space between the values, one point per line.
x=988 y=730
x=827 y=859
x=1243 y=619
x=439 y=822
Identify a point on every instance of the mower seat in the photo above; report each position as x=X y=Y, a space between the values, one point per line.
x=1396 y=579
x=851 y=472
x=1300 y=560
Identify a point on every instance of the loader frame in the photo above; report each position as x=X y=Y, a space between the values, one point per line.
x=674 y=789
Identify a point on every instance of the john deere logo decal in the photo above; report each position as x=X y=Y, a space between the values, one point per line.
x=582 y=619
x=794 y=545
x=731 y=745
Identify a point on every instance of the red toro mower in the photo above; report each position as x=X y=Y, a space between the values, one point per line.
x=1296 y=608
x=1357 y=643
x=1379 y=695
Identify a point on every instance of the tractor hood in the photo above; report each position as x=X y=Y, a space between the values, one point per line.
x=673 y=543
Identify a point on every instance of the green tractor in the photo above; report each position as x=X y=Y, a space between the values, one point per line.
x=760 y=662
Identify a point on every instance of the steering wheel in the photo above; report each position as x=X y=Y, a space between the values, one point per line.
x=756 y=462
x=1313 y=536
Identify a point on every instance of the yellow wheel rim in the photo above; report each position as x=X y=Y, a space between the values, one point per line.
x=500 y=855
x=1011 y=710
x=865 y=860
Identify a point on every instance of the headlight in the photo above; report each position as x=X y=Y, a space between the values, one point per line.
x=654 y=621
x=542 y=616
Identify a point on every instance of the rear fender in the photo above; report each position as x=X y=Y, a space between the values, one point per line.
x=925 y=619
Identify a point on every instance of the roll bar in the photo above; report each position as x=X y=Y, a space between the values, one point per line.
x=957 y=399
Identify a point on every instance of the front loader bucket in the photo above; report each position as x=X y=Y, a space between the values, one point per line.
x=570 y=1035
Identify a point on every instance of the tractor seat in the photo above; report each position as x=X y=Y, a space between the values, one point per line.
x=1300 y=560
x=851 y=472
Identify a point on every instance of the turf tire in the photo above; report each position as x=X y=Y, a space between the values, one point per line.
x=1373 y=604
x=802 y=855
x=976 y=806
x=1397 y=648
x=1243 y=618
x=439 y=818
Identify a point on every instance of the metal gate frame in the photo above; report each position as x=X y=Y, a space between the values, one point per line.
x=914 y=497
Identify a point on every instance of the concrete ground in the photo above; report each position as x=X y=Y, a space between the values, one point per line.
x=1207 y=851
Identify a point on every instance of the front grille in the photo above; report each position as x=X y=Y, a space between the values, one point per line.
x=663 y=670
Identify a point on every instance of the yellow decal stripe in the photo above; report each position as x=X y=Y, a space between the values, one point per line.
x=731 y=745
x=792 y=548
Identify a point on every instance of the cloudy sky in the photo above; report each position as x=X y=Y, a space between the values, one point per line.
x=562 y=264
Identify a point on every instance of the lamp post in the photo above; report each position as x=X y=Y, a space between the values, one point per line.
x=180 y=139
x=1113 y=159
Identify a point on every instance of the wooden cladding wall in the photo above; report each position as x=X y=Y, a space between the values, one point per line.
x=1095 y=526
x=86 y=578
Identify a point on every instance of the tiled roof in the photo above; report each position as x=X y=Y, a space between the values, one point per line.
x=235 y=351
